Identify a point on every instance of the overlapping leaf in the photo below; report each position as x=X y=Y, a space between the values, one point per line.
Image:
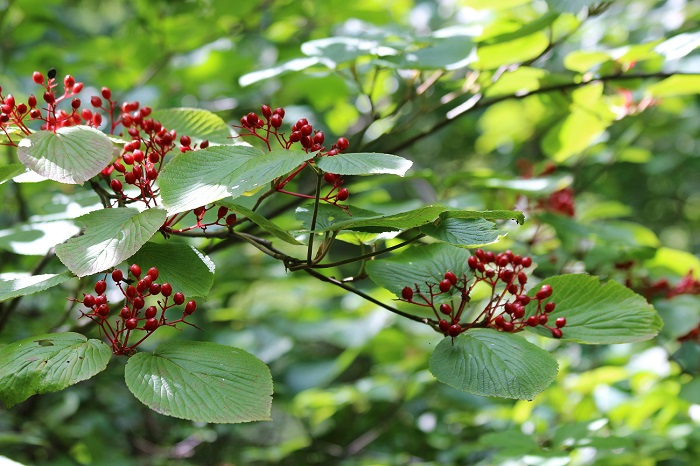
x=22 y=286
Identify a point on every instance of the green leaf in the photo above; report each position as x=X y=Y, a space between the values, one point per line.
x=329 y=216
x=111 y=236
x=583 y=60
x=572 y=135
x=544 y=185
x=296 y=64
x=490 y=363
x=570 y=6
x=7 y=172
x=597 y=314
x=265 y=168
x=48 y=363
x=680 y=315
x=183 y=266
x=201 y=381
x=262 y=222
x=193 y=179
x=369 y=163
x=445 y=52
x=464 y=232
x=418 y=265
x=72 y=155
x=333 y=51
x=675 y=85
x=196 y=123
x=24 y=285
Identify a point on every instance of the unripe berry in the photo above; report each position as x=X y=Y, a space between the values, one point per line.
x=150 y=325
x=38 y=77
x=544 y=293
x=116 y=185
x=166 y=289
x=190 y=307
x=150 y=312
x=445 y=285
x=342 y=143
x=451 y=277
x=135 y=270
x=179 y=298
x=117 y=275
x=407 y=293
x=446 y=309
x=89 y=300
x=454 y=330
x=100 y=287
x=343 y=194
x=131 y=324
x=560 y=322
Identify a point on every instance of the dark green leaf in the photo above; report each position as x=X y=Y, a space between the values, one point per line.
x=464 y=232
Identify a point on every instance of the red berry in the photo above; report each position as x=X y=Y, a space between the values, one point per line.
x=138 y=303
x=95 y=101
x=100 y=287
x=125 y=313
x=116 y=185
x=279 y=111
x=522 y=278
x=508 y=326
x=499 y=321
x=490 y=273
x=31 y=101
x=301 y=122
x=557 y=333
x=445 y=285
x=131 y=324
x=139 y=157
x=154 y=289
x=166 y=289
x=446 y=309
x=407 y=293
x=130 y=291
x=560 y=322
x=306 y=130
x=451 y=277
x=153 y=273
x=106 y=93
x=135 y=270
x=319 y=137
x=342 y=143
x=150 y=312
x=231 y=220
x=130 y=178
x=454 y=330
x=472 y=262
x=141 y=286
x=38 y=77
x=89 y=300
x=343 y=194
x=117 y=275
x=75 y=103
x=252 y=119
x=49 y=98
x=526 y=262
x=506 y=275
x=532 y=321
x=150 y=325
x=151 y=173
x=190 y=307
x=69 y=82
x=544 y=293
x=153 y=157
x=523 y=299
x=119 y=167
x=549 y=307
x=276 y=121
x=179 y=298
x=489 y=256
x=266 y=111
x=543 y=319
x=519 y=311
x=204 y=144
x=444 y=325
x=513 y=289
x=128 y=159
x=221 y=213
x=295 y=136
x=185 y=141
x=101 y=299
x=502 y=261
x=330 y=178
x=102 y=310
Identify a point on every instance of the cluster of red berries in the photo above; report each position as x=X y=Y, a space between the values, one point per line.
x=134 y=315
x=560 y=202
x=504 y=273
x=223 y=218
x=13 y=115
x=266 y=128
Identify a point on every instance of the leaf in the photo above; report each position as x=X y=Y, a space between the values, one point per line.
x=543 y=185
x=597 y=314
x=572 y=135
x=196 y=123
x=584 y=60
x=265 y=168
x=490 y=363
x=464 y=232
x=193 y=179
x=7 y=172
x=675 y=85
x=262 y=222
x=296 y=64
x=111 y=236
x=183 y=266
x=369 y=163
x=449 y=52
x=333 y=51
x=72 y=155
x=48 y=363
x=201 y=381
x=570 y=6
x=329 y=215
x=24 y=285
x=418 y=265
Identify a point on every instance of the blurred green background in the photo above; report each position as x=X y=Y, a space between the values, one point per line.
x=351 y=380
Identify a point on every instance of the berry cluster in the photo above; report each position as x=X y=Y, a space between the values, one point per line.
x=560 y=202
x=134 y=315
x=505 y=274
x=223 y=218
x=266 y=128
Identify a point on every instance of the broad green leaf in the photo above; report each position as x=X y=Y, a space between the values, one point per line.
x=519 y=81
x=24 y=285
x=183 y=266
x=296 y=64
x=490 y=363
x=582 y=60
x=464 y=232
x=675 y=85
x=7 y=172
x=329 y=215
x=72 y=155
x=544 y=185
x=680 y=315
x=111 y=236
x=48 y=363
x=450 y=52
x=262 y=222
x=261 y=170
x=333 y=51
x=201 y=177
x=598 y=314
x=369 y=163
x=418 y=265
x=572 y=135
x=196 y=123
x=675 y=260
x=201 y=381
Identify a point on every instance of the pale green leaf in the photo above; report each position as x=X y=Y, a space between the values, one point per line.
x=296 y=64
x=202 y=381
x=369 y=163
x=48 y=363
x=675 y=85
x=7 y=172
x=582 y=60
x=258 y=171
x=196 y=123
x=490 y=363
x=28 y=284
x=72 y=155
x=111 y=236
